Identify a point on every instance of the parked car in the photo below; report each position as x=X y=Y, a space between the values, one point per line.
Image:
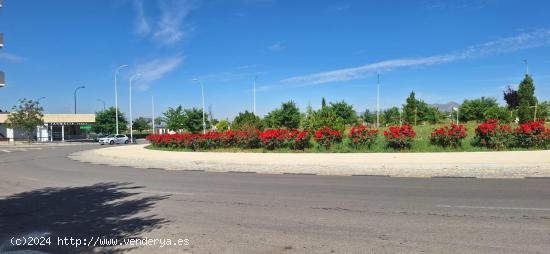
x=114 y=139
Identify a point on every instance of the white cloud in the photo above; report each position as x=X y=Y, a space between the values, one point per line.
x=277 y=47
x=156 y=69
x=11 y=58
x=510 y=44
x=168 y=28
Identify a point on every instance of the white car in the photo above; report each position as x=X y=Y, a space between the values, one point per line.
x=114 y=139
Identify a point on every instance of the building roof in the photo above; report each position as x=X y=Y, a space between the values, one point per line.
x=61 y=118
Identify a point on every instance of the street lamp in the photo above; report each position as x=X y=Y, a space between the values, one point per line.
x=131 y=118
x=102 y=101
x=456 y=109
x=378 y=101
x=526 y=67
x=202 y=95
x=75 y=90
x=153 y=113
x=255 y=95
x=2 y=79
x=116 y=95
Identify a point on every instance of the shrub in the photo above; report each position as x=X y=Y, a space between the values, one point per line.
x=361 y=136
x=326 y=137
x=448 y=136
x=492 y=134
x=299 y=140
x=400 y=136
x=272 y=139
x=532 y=134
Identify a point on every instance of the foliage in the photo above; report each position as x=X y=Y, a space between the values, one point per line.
x=174 y=118
x=369 y=117
x=392 y=116
x=105 y=121
x=324 y=117
x=140 y=124
x=361 y=136
x=288 y=116
x=344 y=111
x=273 y=139
x=500 y=113
x=493 y=134
x=511 y=97
x=449 y=136
x=222 y=125
x=326 y=137
x=527 y=100
x=400 y=137
x=192 y=120
x=26 y=117
x=474 y=110
x=532 y=135
x=246 y=120
x=410 y=109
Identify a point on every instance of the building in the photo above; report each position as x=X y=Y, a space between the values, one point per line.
x=57 y=127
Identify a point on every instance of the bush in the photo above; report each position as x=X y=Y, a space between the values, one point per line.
x=400 y=137
x=361 y=136
x=492 y=134
x=272 y=139
x=449 y=136
x=299 y=140
x=326 y=137
x=532 y=134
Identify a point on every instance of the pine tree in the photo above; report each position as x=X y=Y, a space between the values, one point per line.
x=323 y=103
x=409 y=109
x=527 y=100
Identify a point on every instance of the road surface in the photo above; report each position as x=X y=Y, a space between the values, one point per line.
x=45 y=194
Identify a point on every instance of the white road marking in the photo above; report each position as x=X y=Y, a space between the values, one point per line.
x=169 y=192
x=6 y=151
x=494 y=207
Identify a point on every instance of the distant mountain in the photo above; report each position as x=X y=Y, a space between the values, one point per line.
x=448 y=107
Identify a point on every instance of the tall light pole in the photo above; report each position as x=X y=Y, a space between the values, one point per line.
x=102 y=101
x=378 y=100
x=457 y=110
x=526 y=67
x=76 y=90
x=153 y=113
x=116 y=95
x=202 y=95
x=255 y=95
x=131 y=118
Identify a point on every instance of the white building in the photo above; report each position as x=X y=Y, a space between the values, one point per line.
x=57 y=127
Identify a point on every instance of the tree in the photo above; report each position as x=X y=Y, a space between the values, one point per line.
x=26 y=117
x=511 y=97
x=410 y=109
x=369 y=117
x=323 y=102
x=543 y=111
x=500 y=113
x=193 y=120
x=222 y=125
x=474 y=110
x=140 y=124
x=246 y=121
x=527 y=100
x=105 y=121
x=159 y=120
x=323 y=117
x=392 y=116
x=287 y=116
x=344 y=111
x=174 y=118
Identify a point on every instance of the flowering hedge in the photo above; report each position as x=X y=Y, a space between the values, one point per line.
x=400 y=136
x=448 y=136
x=361 y=136
x=326 y=137
x=493 y=134
x=532 y=135
x=293 y=139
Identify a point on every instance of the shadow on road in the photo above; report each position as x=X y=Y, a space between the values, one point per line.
x=105 y=210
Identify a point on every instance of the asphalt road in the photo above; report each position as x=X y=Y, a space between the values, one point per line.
x=44 y=194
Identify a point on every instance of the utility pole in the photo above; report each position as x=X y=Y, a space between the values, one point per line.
x=2 y=77
x=255 y=96
x=153 y=113
x=202 y=95
x=378 y=101
x=116 y=95
x=131 y=117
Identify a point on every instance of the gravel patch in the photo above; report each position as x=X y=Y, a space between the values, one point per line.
x=509 y=164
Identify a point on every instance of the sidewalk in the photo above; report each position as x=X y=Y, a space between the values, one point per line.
x=514 y=164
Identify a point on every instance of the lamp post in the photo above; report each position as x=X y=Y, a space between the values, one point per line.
x=255 y=95
x=457 y=110
x=378 y=100
x=116 y=95
x=76 y=90
x=131 y=118
x=153 y=113
x=526 y=67
x=102 y=101
x=202 y=95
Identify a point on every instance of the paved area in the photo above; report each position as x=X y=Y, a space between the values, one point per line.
x=43 y=193
x=516 y=164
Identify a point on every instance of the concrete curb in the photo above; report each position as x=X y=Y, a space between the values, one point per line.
x=518 y=164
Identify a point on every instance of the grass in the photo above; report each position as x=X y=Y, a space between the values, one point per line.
x=421 y=144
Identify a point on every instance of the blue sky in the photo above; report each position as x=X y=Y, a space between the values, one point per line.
x=299 y=50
